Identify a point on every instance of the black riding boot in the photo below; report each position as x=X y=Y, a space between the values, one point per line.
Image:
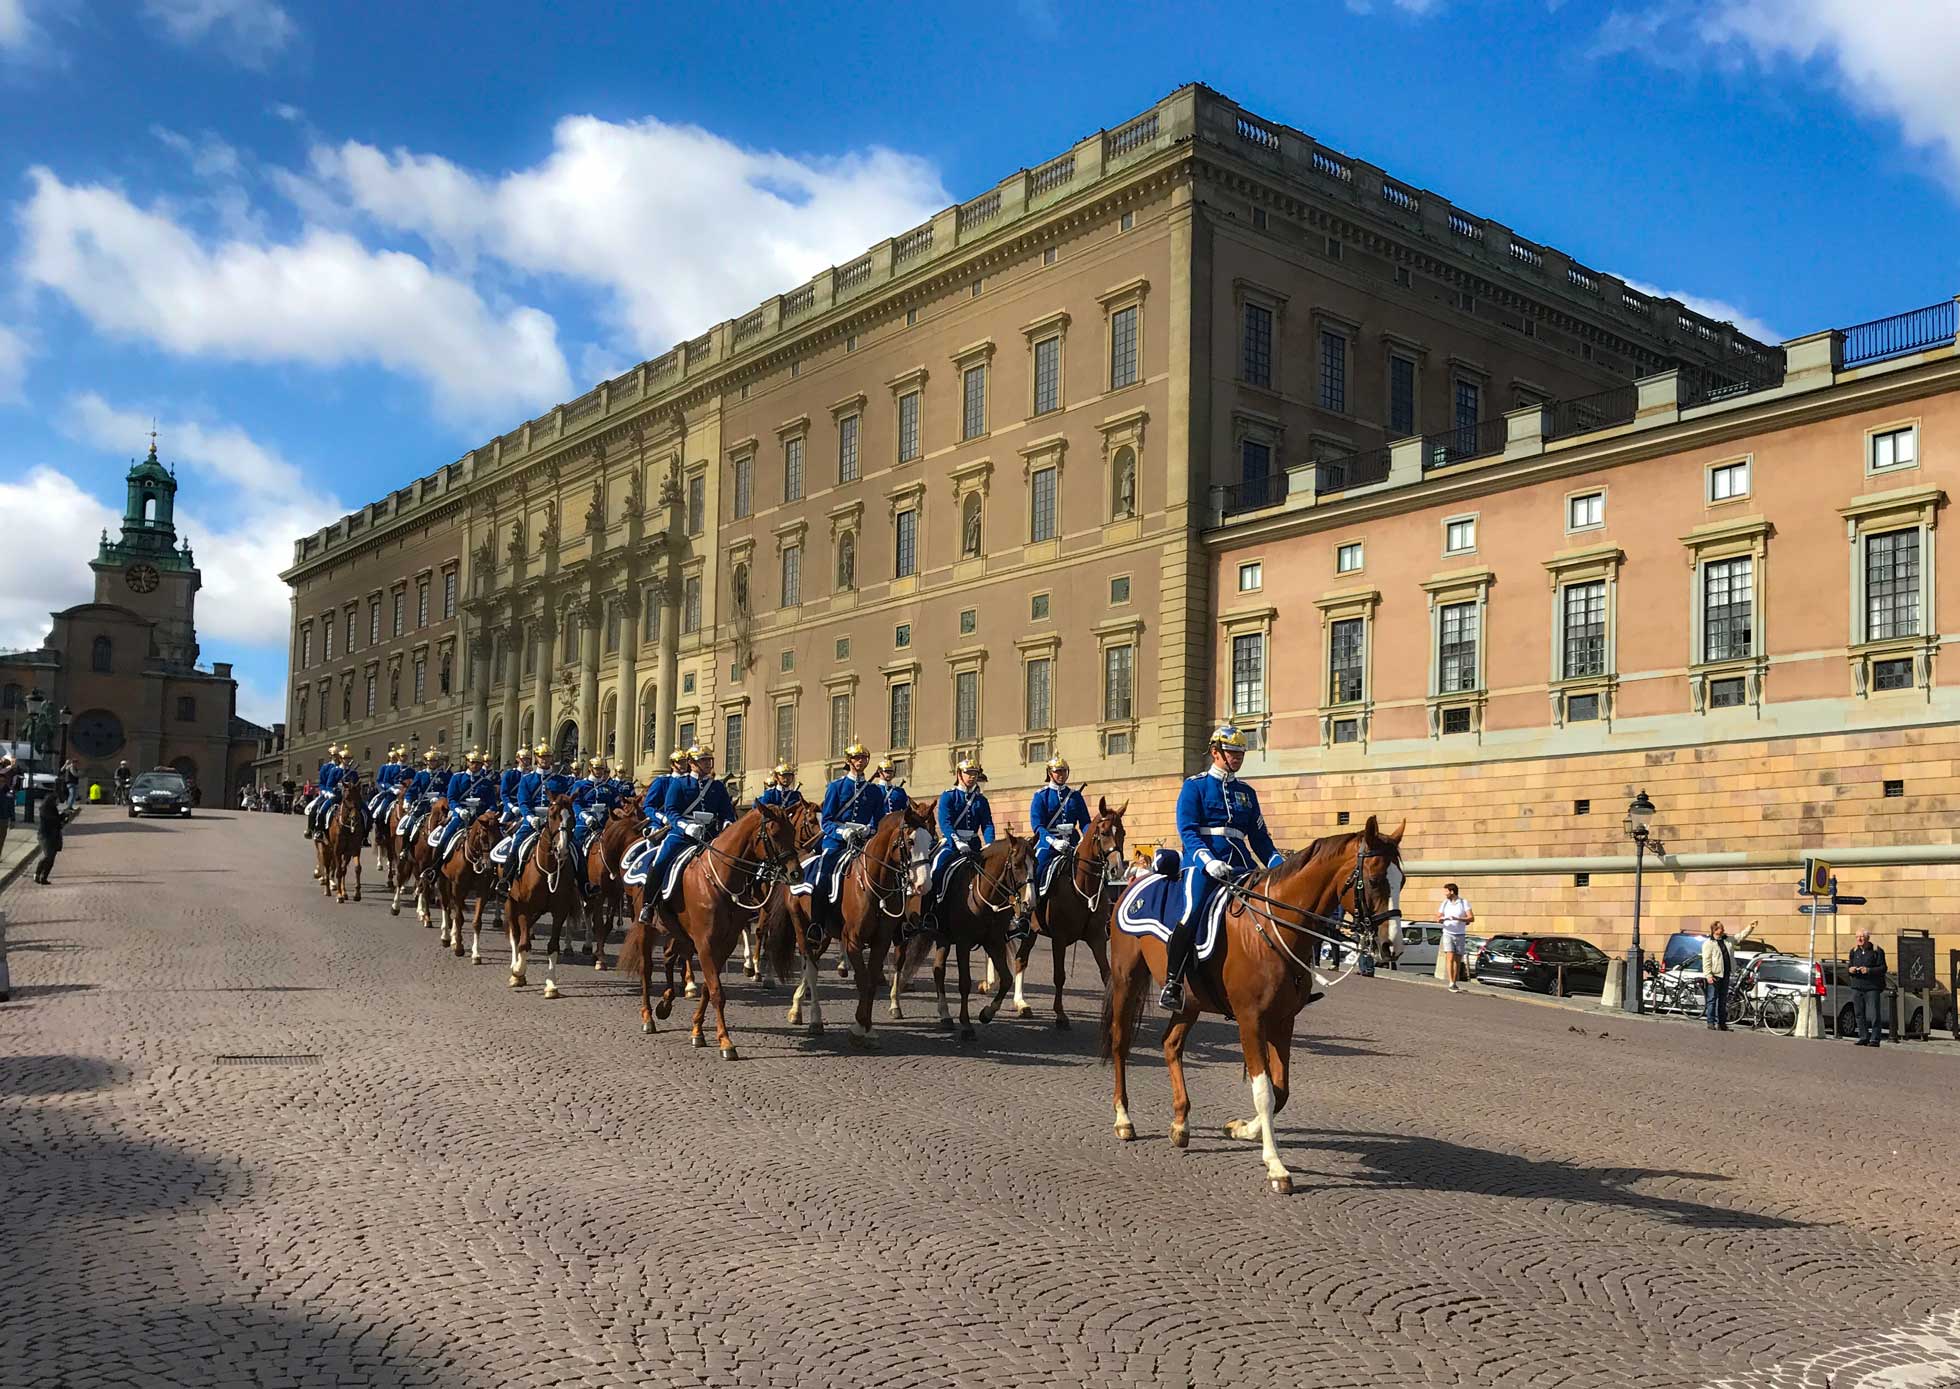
x=1020 y=928
x=1177 y=958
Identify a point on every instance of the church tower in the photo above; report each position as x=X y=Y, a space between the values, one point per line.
x=148 y=570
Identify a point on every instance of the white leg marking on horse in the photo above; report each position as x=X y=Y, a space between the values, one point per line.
x=944 y=1011
x=992 y=981
x=1262 y=1102
x=1020 y=1003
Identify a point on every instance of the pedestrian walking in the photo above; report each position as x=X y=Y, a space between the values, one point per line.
x=48 y=823
x=1867 y=965
x=71 y=785
x=9 y=780
x=1716 y=966
x=1454 y=914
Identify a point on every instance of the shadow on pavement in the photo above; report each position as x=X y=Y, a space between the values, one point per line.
x=21 y=1076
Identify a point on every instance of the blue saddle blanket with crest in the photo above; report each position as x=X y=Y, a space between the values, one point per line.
x=1152 y=905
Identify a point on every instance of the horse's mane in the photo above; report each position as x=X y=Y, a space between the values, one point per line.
x=1326 y=845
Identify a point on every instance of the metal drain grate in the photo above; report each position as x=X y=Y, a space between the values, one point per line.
x=285 y=1060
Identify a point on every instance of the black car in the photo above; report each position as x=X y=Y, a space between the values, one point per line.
x=1532 y=962
x=160 y=793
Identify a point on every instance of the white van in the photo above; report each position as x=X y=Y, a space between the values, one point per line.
x=1419 y=944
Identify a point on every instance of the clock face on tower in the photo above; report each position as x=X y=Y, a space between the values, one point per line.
x=97 y=733
x=141 y=577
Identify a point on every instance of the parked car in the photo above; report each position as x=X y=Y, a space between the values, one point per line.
x=1683 y=951
x=1532 y=962
x=160 y=793
x=1417 y=944
x=1840 y=1012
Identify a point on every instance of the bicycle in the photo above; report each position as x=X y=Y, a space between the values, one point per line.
x=1774 y=1011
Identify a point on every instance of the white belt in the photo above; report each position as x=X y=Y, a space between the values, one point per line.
x=1227 y=831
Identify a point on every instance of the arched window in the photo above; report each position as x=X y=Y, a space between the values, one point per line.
x=442 y=675
x=650 y=723
x=524 y=732
x=149 y=506
x=1123 y=485
x=970 y=526
x=497 y=740
x=609 y=724
x=100 y=653
x=739 y=589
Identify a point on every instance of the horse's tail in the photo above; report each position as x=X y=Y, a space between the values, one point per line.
x=632 y=946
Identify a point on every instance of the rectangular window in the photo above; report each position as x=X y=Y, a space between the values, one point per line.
x=1469 y=403
x=840 y=724
x=299 y=710
x=422 y=603
x=1333 y=372
x=847 y=449
x=902 y=635
x=305 y=646
x=374 y=621
x=1585 y=512
x=1727 y=694
x=1038 y=608
x=697 y=504
x=786 y=661
x=793 y=470
x=1249 y=673
x=908 y=426
x=1256 y=346
x=731 y=743
x=1251 y=576
x=785 y=732
x=448 y=594
x=1728 y=608
x=686 y=733
x=905 y=544
x=324 y=706
x=1401 y=397
x=421 y=678
x=353 y=630
x=1256 y=483
x=1047 y=375
x=1892 y=585
x=326 y=628
x=401 y=609
x=1038 y=707
x=744 y=486
x=1348 y=558
x=373 y=694
x=691 y=603
x=1456 y=651
x=969 y=621
x=973 y=415
x=1119 y=590
x=1460 y=537
x=1582 y=708
x=1119 y=683
x=1585 y=630
x=612 y=626
x=1347 y=731
x=1729 y=480
x=1123 y=348
x=1894 y=674
x=792 y=576
x=1041 y=505
x=1346 y=677
x=1456 y=721
x=966 y=706
x=1895 y=448
x=186 y=709
x=899 y=723
x=841 y=649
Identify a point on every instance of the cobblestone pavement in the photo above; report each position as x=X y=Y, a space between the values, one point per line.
x=474 y=1186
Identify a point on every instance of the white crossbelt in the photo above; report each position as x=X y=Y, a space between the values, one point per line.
x=1226 y=830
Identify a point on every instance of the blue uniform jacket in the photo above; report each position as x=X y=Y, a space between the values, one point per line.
x=784 y=796
x=849 y=801
x=963 y=813
x=507 y=788
x=557 y=784
x=458 y=788
x=896 y=798
x=1217 y=819
x=325 y=767
x=656 y=798
x=1056 y=810
x=529 y=794
x=686 y=794
x=385 y=777
x=332 y=776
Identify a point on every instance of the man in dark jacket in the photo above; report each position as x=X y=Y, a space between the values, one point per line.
x=48 y=824
x=1867 y=968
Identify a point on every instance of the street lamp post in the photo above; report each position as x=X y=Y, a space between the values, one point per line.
x=1640 y=816
x=33 y=732
x=61 y=768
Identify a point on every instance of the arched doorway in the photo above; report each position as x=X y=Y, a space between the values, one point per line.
x=566 y=744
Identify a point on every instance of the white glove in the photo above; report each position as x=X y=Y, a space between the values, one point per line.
x=694 y=829
x=1218 y=869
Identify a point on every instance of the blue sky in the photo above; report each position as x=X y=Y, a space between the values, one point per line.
x=329 y=247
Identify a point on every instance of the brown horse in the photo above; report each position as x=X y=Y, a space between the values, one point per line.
x=545 y=883
x=468 y=873
x=981 y=897
x=871 y=907
x=414 y=856
x=605 y=855
x=1274 y=925
x=720 y=890
x=340 y=849
x=772 y=936
x=1078 y=907
x=393 y=850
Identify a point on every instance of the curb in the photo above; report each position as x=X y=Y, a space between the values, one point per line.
x=9 y=872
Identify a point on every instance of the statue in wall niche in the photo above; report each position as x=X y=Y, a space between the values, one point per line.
x=970 y=527
x=516 y=546
x=595 y=514
x=635 y=500
x=739 y=590
x=548 y=537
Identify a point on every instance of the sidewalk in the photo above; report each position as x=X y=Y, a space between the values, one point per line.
x=21 y=849
x=1941 y=1043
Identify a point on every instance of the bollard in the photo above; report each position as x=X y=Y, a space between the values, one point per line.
x=1442 y=971
x=6 y=982
x=1612 y=997
x=1810 y=1022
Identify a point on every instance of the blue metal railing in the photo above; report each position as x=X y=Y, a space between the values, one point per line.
x=1899 y=334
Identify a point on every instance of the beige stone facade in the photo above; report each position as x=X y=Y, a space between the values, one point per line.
x=952 y=497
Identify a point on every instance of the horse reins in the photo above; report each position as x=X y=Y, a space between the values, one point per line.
x=1243 y=895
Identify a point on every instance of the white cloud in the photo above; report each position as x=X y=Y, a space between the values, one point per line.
x=324 y=299
x=681 y=226
x=1718 y=309
x=65 y=523
x=15 y=27
x=209 y=156
x=248 y=31
x=1418 y=8
x=13 y=365
x=261 y=704
x=241 y=531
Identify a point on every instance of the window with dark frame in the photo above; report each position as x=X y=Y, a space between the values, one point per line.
x=1123 y=348
x=1585 y=631
x=1255 y=473
x=908 y=426
x=1892 y=585
x=899 y=724
x=1728 y=608
x=1728 y=693
x=905 y=544
x=697 y=504
x=1346 y=676
x=744 y=486
x=973 y=395
x=1456 y=720
x=1333 y=371
x=847 y=449
x=1582 y=708
x=1249 y=673
x=793 y=469
x=1347 y=731
x=1037 y=711
x=1041 y=505
x=1047 y=375
x=1893 y=674
x=1256 y=348
x=966 y=706
x=422 y=603
x=1401 y=397
x=1119 y=683
x=731 y=742
x=1457 y=647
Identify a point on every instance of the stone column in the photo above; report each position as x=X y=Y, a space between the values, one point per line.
x=628 y=728
x=544 y=632
x=479 y=657
x=513 y=671
x=669 y=591
x=588 y=676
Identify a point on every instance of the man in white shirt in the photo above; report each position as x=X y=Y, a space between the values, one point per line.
x=1455 y=916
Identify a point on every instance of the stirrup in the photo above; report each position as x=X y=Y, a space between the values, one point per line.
x=1172 y=998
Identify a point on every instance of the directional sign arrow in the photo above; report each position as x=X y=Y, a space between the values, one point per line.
x=1849 y=901
x=1821 y=909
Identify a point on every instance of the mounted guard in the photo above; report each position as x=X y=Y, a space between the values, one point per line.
x=966 y=826
x=1058 y=815
x=782 y=789
x=852 y=806
x=524 y=810
x=697 y=808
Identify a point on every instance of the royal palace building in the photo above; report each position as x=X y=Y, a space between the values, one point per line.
x=1199 y=418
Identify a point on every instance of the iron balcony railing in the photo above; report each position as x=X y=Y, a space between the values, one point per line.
x=1465 y=442
x=1251 y=494
x=1601 y=411
x=1699 y=385
x=1899 y=335
x=1351 y=470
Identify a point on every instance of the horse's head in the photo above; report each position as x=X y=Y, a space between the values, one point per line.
x=777 y=837
x=807 y=821
x=919 y=816
x=1373 y=891
x=1103 y=843
x=558 y=814
x=1012 y=861
x=482 y=835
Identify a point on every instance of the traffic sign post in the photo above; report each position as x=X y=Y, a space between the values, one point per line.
x=1820 y=885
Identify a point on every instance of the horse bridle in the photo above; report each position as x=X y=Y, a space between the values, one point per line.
x=767 y=871
x=980 y=884
x=1244 y=894
x=1111 y=872
x=900 y=873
